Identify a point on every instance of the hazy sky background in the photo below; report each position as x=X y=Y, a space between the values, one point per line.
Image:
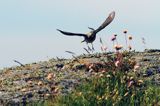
x=28 y=27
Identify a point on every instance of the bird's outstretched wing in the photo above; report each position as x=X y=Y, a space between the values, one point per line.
x=70 y=33
x=106 y=22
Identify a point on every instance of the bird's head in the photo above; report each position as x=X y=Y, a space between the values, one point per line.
x=89 y=33
x=83 y=41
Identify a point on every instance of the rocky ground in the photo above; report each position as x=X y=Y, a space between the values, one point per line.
x=42 y=80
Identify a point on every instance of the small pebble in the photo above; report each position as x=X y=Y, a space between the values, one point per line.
x=24 y=90
x=140 y=81
x=30 y=82
x=47 y=95
x=40 y=83
x=29 y=95
x=149 y=72
x=59 y=65
x=50 y=76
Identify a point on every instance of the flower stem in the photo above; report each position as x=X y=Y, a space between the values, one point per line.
x=126 y=40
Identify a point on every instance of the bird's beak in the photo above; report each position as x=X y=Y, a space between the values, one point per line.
x=82 y=41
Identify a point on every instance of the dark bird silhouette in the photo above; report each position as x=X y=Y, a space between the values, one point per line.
x=91 y=36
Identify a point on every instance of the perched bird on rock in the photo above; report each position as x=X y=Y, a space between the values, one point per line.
x=91 y=36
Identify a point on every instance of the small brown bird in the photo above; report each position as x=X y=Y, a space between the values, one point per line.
x=91 y=36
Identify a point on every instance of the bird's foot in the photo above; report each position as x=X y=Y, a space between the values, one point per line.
x=89 y=49
x=93 y=49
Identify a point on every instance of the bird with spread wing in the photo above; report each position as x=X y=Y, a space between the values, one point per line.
x=91 y=36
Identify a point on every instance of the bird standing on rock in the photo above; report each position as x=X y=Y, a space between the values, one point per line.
x=91 y=36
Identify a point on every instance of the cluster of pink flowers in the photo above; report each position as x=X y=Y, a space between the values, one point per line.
x=129 y=38
x=116 y=45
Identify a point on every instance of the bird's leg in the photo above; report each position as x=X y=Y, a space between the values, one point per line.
x=89 y=49
x=92 y=47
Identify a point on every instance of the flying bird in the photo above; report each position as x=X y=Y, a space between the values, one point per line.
x=91 y=36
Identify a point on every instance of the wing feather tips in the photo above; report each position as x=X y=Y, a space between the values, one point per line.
x=108 y=20
x=63 y=32
x=112 y=15
x=59 y=30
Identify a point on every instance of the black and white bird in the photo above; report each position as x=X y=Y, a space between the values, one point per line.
x=91 y=36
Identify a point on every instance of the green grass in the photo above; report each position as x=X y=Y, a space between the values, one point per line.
x=108 y=91
x=112 y=88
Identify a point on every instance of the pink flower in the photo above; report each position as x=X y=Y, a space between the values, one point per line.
x=125 y=31
x=113 y=38
x=136 y=67
x=130 y=83
x=118 y=47
x=130 y=37
x=115 y=35
x=117 y=63
x=130 y=47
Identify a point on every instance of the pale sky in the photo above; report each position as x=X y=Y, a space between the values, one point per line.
x=28 y=27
